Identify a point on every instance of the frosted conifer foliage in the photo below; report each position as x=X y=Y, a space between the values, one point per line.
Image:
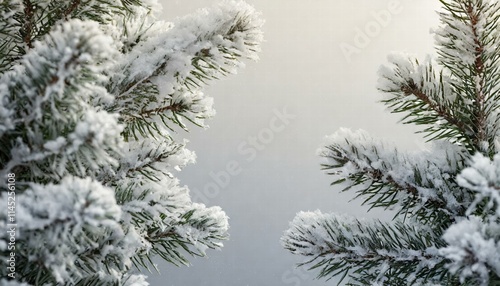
x=92 y=94
x=446 y=200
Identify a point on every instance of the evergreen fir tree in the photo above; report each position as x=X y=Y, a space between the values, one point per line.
x=446 y=228
x=93 y=97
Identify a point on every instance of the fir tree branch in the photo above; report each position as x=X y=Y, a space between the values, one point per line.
x=56 y=120
x=384 y=253
x=192 y=232
x=152 y=160
x=197 y=73
x=378 y=189
x=57 y=85
x=470 y=31
x=459 y=244
x=40 y=18
x=386 y=178
x=187 y=67
x=161 y=118
x=426 y=96
x=148 y=113
x=11 y=24
x=442 y=111
x=68 y=216
x=175 y=107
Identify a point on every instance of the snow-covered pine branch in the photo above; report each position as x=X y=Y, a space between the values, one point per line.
x=423 y=92
x=454 y=98
x=470 y=32
x=67 y=226
x=448 y=196
x=60 y=76
x=90 y=92
x=338 y=245
x=173 y=63
x=474 y=242
x=414 y=184
x=11 y=47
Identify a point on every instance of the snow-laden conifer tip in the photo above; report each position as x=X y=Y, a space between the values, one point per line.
x=90 y=95
x=446 y=199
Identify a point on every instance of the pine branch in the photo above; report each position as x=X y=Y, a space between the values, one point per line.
x=470 y=32
x=473 y=250
x=374 y=251
x=427 y=97
x=441 y=111
x=174 y=107
x=53 y=81
x=387 y=178
x=210 y=52
x=59 y=121
x=192 y=233
x=187 y=68
x=144 y=123
x=40 y=18
x=150 y=159
x=158 y=206
x=460 y=206
x=160 y=119
x=483 y=178
x=77 y=213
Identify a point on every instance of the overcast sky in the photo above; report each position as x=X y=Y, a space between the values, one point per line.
x=317 y=73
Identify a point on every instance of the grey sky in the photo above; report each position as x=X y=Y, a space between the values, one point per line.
x=304 y=70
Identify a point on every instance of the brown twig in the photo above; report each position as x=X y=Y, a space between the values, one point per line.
x=147 y=113
x=479 y=86
x=71 y=8
x=412 y=88
x=28 y=23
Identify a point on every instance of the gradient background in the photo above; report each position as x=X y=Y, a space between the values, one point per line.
x=303 y=69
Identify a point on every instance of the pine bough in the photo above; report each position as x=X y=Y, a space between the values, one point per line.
x=446 y=230
x=92 y=94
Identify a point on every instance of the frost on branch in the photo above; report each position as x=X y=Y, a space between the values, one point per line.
x=474 y=242
x=65 y=226
x=11 y=48
x=424 y=92
x=483 y=177
x=473 y=249
x=470 y=33
x=90 y=94
x=60 y=77
x=340 y=245
x=446 y=196
x=412 y=183
x=174 y=63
